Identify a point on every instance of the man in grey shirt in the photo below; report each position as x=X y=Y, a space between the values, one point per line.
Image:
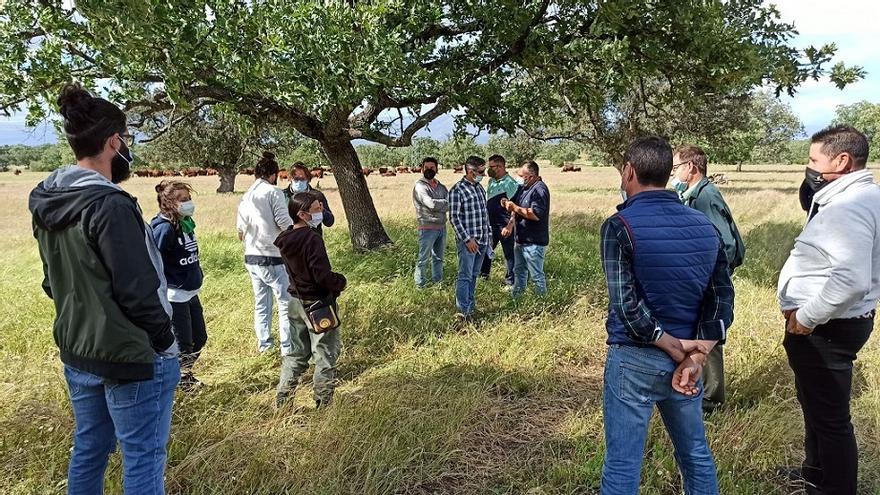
x=429 y=199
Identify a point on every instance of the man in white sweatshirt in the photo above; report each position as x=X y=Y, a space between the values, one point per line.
x=828 y=292
x=262 y=215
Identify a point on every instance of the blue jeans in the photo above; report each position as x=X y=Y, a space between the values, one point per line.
x=637 y=379
x=270 y=281
x=529 y=262
x=432 y=244
x=469 y=265
x=136 y=414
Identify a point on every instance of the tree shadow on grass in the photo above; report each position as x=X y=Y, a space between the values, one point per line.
x=381 y=308
x=767 y=248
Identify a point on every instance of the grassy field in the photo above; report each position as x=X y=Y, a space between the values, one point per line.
x=511 y=405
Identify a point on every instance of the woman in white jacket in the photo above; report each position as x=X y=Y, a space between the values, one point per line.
x=262 y=215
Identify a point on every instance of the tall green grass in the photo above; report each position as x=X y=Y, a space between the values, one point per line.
x=511 y=404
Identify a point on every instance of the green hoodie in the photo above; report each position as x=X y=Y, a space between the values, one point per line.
x=104 y=274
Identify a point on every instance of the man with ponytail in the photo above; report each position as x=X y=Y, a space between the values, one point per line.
x=262 y=215
x=174 y=233
x=113 y=321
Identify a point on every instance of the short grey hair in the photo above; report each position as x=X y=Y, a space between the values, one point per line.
x=474 y=163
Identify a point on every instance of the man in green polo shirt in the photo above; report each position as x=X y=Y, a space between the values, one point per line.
x=501 y=186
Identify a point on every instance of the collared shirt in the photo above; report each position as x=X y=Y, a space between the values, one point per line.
x=537 y=198
x=617 y=260
x=468 y=213
x=505 y=185
x=262 y=215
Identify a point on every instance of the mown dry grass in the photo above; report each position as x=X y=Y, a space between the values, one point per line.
x=511 y=405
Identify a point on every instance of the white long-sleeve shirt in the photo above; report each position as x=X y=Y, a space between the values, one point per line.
x=262 y=215
x=834 y=269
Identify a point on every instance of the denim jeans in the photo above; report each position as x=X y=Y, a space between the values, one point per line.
x=323 y=348
x=268 y=281
x=432 y=244
x=637 y=379
x=529 y=263
x=469 y=265
x=507 y=247
x=136 y=414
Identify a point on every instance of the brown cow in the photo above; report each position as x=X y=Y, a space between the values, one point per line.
x=458 y=169
x=383 y=170
x=211 y=171
x=389 y=173
x=248 y=171
x=317 y=173
x=283 y=175
x=367 y=171
x=17 y=172
x=155 y=172
x=402 y=170
x=416 y=170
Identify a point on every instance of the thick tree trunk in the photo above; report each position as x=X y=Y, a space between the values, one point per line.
x=366 y=229
x=227 y=179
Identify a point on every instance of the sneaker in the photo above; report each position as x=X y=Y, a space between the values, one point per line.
x=188 y=382
x=323 y=403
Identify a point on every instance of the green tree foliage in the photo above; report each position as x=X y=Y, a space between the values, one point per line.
x=422 y=148
x=378 y=155
x=562 y=152
x=515 y=149
x=765 y=128
x=865 y=117
x=457 y=147
x=383 y=70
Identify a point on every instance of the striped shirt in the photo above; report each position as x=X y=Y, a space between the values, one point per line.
x=468 y=213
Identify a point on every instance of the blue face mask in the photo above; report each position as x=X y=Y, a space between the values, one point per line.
x=299 y=186
x=478 y=178
x=679 y=186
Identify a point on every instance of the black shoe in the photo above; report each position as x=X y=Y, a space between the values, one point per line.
x=188 y=382
x=323 y=403
x=793 y=477
x=281 y=399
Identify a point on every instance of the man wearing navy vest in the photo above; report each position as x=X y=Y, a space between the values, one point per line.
x=670 y=301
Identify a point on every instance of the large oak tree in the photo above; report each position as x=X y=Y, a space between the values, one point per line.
x=383 y=70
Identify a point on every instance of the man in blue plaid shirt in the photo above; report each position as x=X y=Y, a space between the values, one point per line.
x=469 y=216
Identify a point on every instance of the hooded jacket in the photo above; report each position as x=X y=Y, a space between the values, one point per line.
x=104 y=273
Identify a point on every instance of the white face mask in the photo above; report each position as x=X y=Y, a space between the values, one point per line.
x=519 y=180
x=299 y=186
x=316 y=219
x=186 y=209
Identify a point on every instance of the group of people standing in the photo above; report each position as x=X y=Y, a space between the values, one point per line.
x=513 y=212
x=129 y=322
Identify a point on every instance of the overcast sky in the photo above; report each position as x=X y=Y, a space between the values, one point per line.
x=852 y=24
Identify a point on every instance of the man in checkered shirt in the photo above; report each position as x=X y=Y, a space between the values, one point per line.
x=470 y=220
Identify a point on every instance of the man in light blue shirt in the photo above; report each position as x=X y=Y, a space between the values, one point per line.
x=501 y=186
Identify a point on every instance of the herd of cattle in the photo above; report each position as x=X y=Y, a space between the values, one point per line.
x=316 y=172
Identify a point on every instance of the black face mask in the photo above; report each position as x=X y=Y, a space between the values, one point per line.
x=814 y=180
x=429 y=173
x=120 y=166
x=805 y=195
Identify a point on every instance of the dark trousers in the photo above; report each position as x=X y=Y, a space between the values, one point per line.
x=822 y=363
x=507 y=246
x=713 y=379
x=189 y=328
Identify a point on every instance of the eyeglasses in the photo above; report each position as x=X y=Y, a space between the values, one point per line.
x=676 y=165
x=127 y=138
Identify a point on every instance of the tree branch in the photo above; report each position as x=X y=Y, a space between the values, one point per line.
x=405 y=139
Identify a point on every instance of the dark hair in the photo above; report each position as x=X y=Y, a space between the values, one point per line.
x=474 y=162
x=694 y=154
x=430 y=159
x=497 y=158
x=300 y=202
x=88 y=121
x=165 y=197
x=300 y=166
x=843 y=139
x=267 y=166
x=651 y=157
x=532 y=167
